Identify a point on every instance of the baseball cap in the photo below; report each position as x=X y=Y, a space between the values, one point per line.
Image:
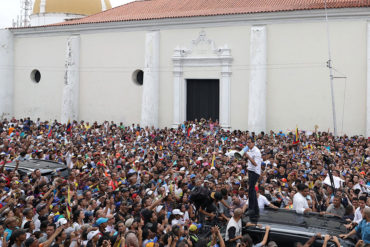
x=129 y=222
x=193 y=227
x=92 y=234
x=148 y=192
x=101 y=221
x=177 y=212
x=131 y=171
x=159 y=208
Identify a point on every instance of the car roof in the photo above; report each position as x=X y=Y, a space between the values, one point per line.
x=308 y=223
x=45 y=166
x=37 y=164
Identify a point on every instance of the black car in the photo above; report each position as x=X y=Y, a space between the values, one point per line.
x=288 y=227
x=47 y=168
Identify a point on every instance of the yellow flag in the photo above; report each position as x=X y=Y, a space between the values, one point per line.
x=213 y=160
x=69 y=204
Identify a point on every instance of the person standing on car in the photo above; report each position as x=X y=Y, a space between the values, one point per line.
x=254 y=159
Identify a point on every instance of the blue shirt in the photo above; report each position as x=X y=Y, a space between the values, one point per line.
x=9 y=233
x=364 y=230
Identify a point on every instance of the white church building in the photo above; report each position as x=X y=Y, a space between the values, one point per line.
x=256 y=65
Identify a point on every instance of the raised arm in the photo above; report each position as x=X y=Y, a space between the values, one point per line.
x=266 y=237
x=48 y=242
x=312 y=240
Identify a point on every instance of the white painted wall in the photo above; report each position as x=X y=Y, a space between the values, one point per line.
x=298 y=80
x=6 y=73
x=43 y=99
x=107 y=62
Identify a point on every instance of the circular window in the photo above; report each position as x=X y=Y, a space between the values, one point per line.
x=35 y=76
x=138 y=77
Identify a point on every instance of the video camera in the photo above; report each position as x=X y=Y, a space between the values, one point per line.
x=328 y=160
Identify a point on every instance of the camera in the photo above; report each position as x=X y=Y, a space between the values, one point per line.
x=327 y=159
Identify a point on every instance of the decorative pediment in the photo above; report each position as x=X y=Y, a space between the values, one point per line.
x=202 y=52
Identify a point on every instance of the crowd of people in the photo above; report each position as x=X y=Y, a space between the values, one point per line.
x=139 y=186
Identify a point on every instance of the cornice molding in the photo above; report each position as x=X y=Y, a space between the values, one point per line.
x=196 y=22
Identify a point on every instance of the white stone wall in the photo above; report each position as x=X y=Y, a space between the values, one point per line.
x=298 y=89
x=297 y=94
x=43 y=99
x=6 y=73
x=107 y=62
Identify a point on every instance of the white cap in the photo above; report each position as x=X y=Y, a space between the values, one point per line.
x=148 y=192
x=129 y=222
x=92 y=234
x=159 y=208
x=61 y=222
x=177 y=212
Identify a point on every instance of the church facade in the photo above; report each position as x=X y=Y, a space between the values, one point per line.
x=160 y=63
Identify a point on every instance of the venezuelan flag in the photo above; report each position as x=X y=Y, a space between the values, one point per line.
x=296 y=136
x=69 y=126
x=50 y=131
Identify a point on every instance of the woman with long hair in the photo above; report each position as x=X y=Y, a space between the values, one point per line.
x=29 y=227
x=78 y=219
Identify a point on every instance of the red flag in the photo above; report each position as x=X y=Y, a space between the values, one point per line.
x=189 y=129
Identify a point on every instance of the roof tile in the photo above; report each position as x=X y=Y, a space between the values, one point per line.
x=160 y=9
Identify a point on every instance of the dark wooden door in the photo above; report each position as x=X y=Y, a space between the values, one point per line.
x=203 y=99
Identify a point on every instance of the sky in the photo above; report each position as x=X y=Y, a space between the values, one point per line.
x=10 y=9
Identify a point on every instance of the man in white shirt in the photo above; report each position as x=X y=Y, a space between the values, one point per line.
x=233 y=233
x=300 y=204
x=262 y=200
x=358 y=212
x=254 y=159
